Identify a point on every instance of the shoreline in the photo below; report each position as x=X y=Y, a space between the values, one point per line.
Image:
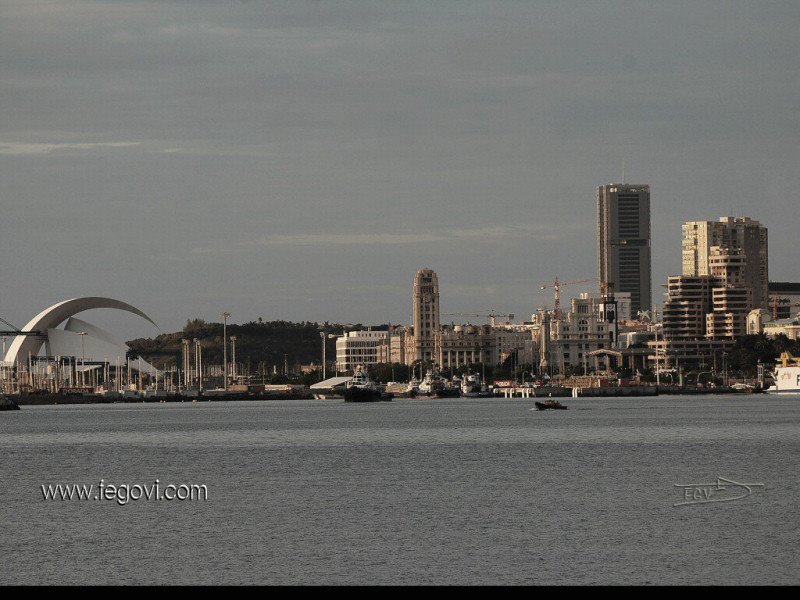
x=53 y=399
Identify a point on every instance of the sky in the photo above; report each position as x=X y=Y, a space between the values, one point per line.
x=301 y=160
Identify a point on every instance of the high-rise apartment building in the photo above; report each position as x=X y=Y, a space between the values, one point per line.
x=623 y=231
x=740 y=242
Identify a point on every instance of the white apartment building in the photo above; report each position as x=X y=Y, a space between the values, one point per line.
x=580 y=331
x=361 y=348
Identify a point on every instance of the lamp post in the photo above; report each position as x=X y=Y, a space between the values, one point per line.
x=322 y=336
x=725 y=369
x=225 y=316
x=233 y=358
x=199 y=353
x=325 y=336
x=83 y=359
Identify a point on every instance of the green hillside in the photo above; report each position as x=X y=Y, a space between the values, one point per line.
x=261 y=344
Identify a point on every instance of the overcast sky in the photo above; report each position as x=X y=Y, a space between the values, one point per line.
x=301 y=160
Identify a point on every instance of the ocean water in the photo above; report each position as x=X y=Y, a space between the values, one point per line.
x=450 y=491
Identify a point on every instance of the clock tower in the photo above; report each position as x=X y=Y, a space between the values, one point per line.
x=426 y=314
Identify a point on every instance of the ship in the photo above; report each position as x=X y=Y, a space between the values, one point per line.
x=472 y=386
x=8 y=403
x=362 y=389
x=434 y=386
x=787 y=376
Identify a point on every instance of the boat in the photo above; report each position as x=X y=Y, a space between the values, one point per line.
x=430 y=384
x=472 y=386
x=550 y=405
x=787 y=376
x=362 y=389
x=434 y=386
x=8 y=403
x=412 y=390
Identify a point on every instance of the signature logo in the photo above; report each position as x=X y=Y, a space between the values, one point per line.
x=724 y=490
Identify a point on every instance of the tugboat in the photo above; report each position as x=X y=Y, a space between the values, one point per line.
x=472 y=386
x=362 y=389
x=430 y=385
x=550 y=405
x=434 y=386
x=7 y=403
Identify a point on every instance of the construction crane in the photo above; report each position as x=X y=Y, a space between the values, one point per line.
x=557 y=285
x=492 y=315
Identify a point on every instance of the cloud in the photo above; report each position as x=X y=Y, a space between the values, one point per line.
x=491 y=234
x=33 y=149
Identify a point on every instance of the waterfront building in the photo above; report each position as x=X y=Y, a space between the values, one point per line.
x=623 y=233
x=567 y=342
x=701 y=317
x=724 y=279
x=79 y=354
x=462 y=345
x=784 y=299
x=361 y=348
x=426 y=314
x=761 y=320
x=688 y=302
x=735 y=243
x=788 y=327
x=456 y=345
x=635 y=339
x=580 y=331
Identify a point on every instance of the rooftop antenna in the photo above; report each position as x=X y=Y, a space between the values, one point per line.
x=623 y=171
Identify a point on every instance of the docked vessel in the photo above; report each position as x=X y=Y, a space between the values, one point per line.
x=8 y=403
x=787 y=376
x=429 y=385
x=434 y=386
x=472 y=386
x=362 y=389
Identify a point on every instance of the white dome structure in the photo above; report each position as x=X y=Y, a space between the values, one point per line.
x=98 y=344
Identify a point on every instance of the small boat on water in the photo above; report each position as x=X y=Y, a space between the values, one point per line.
x=550 y=405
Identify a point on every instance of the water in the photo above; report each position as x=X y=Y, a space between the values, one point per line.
x=408 y=492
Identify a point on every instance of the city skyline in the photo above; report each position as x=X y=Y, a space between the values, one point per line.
x=358 y=143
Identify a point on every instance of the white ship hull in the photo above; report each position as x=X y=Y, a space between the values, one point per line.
x=787 y=381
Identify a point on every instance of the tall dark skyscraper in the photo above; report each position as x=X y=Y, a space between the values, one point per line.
x=623 y=235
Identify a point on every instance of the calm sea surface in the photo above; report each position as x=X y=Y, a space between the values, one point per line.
x=408 y=492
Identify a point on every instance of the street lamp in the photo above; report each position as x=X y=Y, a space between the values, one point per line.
x=83 y=359
x=658 y=373
x=199 y=358
x=225 y=316
x=325 y=336
x=233 y=358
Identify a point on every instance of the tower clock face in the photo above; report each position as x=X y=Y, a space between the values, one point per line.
x=426 y=298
